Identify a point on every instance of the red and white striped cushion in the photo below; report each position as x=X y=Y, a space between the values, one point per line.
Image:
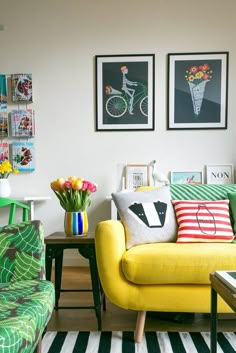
x=203 y=221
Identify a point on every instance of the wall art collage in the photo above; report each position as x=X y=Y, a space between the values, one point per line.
x=17 y=124
x=197 y=88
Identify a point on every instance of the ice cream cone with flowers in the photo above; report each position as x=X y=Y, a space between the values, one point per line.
x=197 y=78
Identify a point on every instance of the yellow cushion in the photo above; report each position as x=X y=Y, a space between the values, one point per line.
x=173 y=263
x=146 y=188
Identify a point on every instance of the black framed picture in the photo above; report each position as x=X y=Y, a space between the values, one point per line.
x=125 y=92
x=197 y=90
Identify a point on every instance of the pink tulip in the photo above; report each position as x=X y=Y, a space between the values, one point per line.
x=92 y=187
x=85 y=185
x=67 y=184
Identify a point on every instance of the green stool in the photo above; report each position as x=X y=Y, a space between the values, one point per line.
x=13 y=206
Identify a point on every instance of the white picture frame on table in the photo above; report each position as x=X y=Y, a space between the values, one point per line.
x=186 y=177
x=220 y=174
x=137 y=175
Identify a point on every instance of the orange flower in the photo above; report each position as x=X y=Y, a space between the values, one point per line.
x=199 y=74
x=204 y=67
x=191 y=78
x=193 y=69
x=206 y=77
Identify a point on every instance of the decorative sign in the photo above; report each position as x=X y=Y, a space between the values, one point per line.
x=220 y=174
x=137 y=175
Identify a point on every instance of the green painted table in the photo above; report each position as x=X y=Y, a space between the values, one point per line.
x=55 y=245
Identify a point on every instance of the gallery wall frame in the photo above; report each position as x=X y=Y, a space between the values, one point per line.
x=137 y=175
x=186 y=177
x=197 y=90
x=220 y=174
x=125 y=92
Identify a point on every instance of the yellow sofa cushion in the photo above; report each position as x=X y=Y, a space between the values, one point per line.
x=173 y=263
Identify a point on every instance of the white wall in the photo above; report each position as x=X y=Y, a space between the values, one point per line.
x=57 y=41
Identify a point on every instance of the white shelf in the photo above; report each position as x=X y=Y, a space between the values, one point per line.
x=31 y=201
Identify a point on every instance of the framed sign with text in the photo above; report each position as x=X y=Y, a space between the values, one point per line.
x=220 y=174
x=137 y=175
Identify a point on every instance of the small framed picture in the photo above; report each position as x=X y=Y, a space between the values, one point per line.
x=220 y=174
x=189 y=177
x=125 y=92
x=137 y=175
x=197 y=90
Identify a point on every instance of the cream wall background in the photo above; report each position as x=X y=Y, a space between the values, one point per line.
x=57 y=41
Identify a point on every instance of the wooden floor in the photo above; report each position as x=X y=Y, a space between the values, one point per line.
x=117 y=319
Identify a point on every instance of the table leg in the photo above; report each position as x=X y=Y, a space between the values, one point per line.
x=48 y=262
x=31 y=210
x=96 y=290
x=89 y=253
x=213 y=320
x=58 y=273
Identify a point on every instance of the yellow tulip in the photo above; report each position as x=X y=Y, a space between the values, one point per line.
x=57 y=185
x=71 y=178
x=77 y=184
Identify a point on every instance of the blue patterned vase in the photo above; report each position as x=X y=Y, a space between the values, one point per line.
x=76 y=223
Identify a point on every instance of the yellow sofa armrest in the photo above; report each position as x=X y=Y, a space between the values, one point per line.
x=110 y=246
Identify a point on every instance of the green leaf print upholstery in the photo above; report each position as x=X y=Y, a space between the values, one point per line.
x=26 y=298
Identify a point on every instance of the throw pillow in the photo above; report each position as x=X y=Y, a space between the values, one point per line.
x=232 y=207
x=203 y=221
x=148 y=216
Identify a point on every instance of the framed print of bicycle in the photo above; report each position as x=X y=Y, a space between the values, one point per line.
x=197 y=85
x=125 y=92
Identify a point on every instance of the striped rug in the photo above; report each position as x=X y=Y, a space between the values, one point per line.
x=123 y=342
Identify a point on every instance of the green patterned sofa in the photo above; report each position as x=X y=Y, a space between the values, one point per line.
x=26 y=298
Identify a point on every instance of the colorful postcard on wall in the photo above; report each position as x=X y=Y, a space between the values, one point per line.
x=125 y=92
x=3 y=124
x=22 y=123
x=197 y=90
x=189 y=177
x=4 y=151
x=23 y=156
x=21 y=86
x=3 y=89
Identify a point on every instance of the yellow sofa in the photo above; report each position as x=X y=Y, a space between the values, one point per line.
x=166 y=277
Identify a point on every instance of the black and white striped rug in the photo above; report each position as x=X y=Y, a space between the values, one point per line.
x=123 y=342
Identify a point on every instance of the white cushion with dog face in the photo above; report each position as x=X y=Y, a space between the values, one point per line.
x=148 y=216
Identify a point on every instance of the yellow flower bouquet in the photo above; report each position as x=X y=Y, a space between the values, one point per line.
x=73 y=193
x=6 y=169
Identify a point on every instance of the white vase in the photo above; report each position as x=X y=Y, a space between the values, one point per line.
x=5 y=188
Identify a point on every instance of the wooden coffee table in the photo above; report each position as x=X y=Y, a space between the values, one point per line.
x=55 y=245
x=221 y=288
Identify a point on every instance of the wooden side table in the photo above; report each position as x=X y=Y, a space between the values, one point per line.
x=55 y=245
x=229 y=296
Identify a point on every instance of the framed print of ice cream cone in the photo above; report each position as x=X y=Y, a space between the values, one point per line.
x=197 y=90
